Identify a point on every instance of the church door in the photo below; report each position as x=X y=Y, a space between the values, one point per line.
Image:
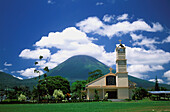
x=112 y=94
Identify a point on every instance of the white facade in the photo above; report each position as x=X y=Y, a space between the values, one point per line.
x=116 y=85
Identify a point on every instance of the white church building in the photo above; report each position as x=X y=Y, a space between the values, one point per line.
x=116 y=85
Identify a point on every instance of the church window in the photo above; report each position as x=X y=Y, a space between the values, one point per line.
x=111 y=80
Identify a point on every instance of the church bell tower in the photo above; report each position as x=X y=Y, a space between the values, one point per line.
x=121 y=65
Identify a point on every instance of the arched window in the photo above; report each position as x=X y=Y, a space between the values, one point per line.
x=111 y=80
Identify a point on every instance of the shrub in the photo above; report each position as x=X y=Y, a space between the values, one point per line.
x=96 y=96
x=22 y=97
x=58 y=95
x=139 y=93
x=47 y=97
x=106 y=96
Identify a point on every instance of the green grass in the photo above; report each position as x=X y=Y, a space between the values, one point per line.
x=139 y=106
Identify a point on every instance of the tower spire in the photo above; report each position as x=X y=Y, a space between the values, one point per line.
x=120 y=41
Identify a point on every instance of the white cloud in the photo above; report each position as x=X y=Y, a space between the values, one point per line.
x=143 y=61
x=50 y=2
x=99 y=3
x=122 y=17
x=166 y=40
x=144 y=41
x=1 y=70
x=72 y=42
x=29 y=72
x=140 y=56
x=144 y=68
x=94 y=25
x=159 y=80
x=108 y=18
x=140 y=70
x=18 y=77
x=148 y=42
x=167 y=75
x=136 y=37
x=12 y=71
x=91 y=24
x=34 y=54
x=7 y=64
x=62 y=40
x=6 y=69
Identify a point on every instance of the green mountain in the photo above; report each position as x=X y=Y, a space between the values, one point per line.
x=8 y=81
x=75 y=68
x=78 y=67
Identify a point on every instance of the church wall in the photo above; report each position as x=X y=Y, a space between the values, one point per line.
x=92 y=93
x=100 y=82
x=100 y=93
x=123 y=93
x=122 y=80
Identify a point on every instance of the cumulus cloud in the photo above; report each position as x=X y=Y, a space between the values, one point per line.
x=159 y=80
x=50 y=2
x=18 y=77
x=7 y=64
x=94 y=25
x=34 y=54
x=29 y=72
x=70 y=42
x=99 y=3
x=141 y=40
x=142 y=61
x=167 y=75
x=122 y=17
x=108 y=18
x=166 y=40
x=140 y=56
x=1 y=70
x=136 y=37
x=140 y=70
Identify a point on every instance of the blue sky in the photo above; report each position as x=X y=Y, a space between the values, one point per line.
x=59 y=29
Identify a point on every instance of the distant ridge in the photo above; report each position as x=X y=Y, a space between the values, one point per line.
x=78 y=67
x=74 y=68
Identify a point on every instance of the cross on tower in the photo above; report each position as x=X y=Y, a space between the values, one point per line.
x=110 y=69
x=120 y=41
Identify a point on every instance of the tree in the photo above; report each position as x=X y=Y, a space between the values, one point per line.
x=58 y=95
x=163 y=89
x=77 y=87
x=22 y=97
x=51 y=83
x=45 y=75
x=22 y=90
x=156 y=85
x=96 y=96
x=139 y=93
x=94 y=75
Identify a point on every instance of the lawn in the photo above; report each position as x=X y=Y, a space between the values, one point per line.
x=139 y=106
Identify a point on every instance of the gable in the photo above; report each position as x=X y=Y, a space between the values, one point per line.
x=98 y=82
x=101 y=81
